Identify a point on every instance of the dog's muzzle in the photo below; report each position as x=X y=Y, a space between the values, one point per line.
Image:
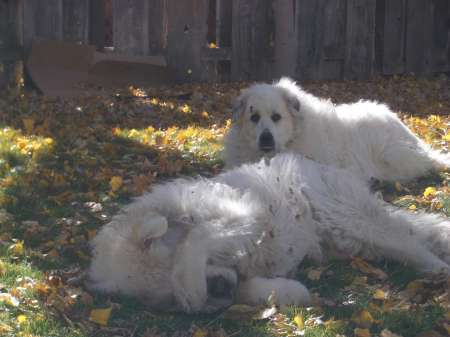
x=266 y=141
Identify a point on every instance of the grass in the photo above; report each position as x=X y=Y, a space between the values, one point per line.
x=67 y=166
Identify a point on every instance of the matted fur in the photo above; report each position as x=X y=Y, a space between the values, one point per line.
x=365 y=137
x=249 y=228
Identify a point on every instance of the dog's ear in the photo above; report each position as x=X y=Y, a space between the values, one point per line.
x=289 y=91
x=292 y=101
x=239 y=105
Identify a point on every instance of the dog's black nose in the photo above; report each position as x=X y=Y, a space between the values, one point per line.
x=266 y=141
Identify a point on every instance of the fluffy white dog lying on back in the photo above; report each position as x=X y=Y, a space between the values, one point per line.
x=201 y=244
x=365 y=137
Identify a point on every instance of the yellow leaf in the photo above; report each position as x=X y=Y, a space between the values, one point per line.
x=4 y=328
x=429 y=192
x=28 y=124
x=363 y=319
x=9 y=299
x=412 y=207
x=91 y=233
x=17 y=248
x=200 y=333
x=116 y=183
x=446 y=137
x=388 y=333
x=314 y=274
x=21 y=319
x=100 y=316
x=212 y=45
x=365 y=267
x=379 y=294
x=361 y=332
x=299 y=322
x=2 y=268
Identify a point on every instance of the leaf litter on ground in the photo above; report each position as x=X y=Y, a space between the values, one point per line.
x=66 y=166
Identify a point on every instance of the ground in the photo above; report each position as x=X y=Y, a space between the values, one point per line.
x=67 y=166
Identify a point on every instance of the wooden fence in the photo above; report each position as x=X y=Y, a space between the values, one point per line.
x=211 y=40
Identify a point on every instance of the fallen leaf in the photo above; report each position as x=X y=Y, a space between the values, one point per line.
x=116 y=183
x=363 y=319
x=17 y=249
x=388 y=333
x=9 y=299
x=200 y=333
x=365 y=267
x=379 y=294
x=429 y=192
x=299 y=322
x=100 y=316
x=21 y=319
x=362 y=332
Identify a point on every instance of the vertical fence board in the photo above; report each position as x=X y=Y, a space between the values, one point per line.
x=252 y=39
x=76 y=20
x=321 y=39
x=186 y=36
x=97 y=29
x=130 y=26
x=331 y=64
x=224 y=23
x=393 y=38
x=360 y=46
x=157 y=26
x=10 y=43
x=418 y=36
x=42 y=19
x=440 y=36
x=286 y=37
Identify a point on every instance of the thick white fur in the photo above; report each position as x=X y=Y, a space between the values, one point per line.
x=365 y=137
x=253 y=225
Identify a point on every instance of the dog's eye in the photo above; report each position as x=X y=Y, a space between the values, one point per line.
x=276 y=117
x=254 y=118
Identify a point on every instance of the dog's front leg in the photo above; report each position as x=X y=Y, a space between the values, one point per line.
x=257 y=290
x=189 y=273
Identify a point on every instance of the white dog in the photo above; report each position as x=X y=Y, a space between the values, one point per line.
x=198 y=245
x=365 y=137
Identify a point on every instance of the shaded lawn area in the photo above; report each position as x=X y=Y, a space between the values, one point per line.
x=67 y=166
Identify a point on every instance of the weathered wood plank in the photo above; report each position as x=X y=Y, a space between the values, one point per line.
x=321 y=39
x=76 y=20
x=440 y=60
x=11 y=54
x=224 y=23
x=331 y=62
x=97 y=31
x=42 y=19
x=393 y=38
x=131 y=26
x=419 y=36
x=360 y=39
x=286 y=38
x=157 y=26
x=252 y=39
x=186 y=36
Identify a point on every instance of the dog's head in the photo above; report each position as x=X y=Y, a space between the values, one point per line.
x=138 y=255
x=266 y=116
